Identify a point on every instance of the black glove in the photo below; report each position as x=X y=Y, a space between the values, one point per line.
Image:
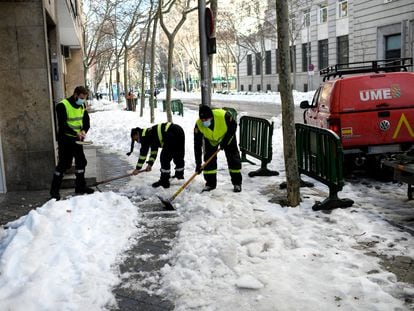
x=198 y=169
x=224 y=143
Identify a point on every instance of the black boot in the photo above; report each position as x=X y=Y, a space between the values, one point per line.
x=179 y=174
x=164 y=181
x=56 y=182
x=208 y=188
x=80 y=185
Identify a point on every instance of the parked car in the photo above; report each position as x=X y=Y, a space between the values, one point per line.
x=148 y=92
x=369 y=105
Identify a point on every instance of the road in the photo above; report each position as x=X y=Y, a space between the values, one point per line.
x=254 y=109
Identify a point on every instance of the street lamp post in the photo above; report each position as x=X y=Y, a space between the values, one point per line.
x=205 y=85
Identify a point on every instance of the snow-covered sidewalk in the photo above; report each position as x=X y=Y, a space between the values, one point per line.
x=232 y=250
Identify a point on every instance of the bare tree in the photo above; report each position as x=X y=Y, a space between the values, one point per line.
x=229 y=36
x=152 y=66
x=97 y=39
x=289 y=145
x=181 y=7
x=144 y=58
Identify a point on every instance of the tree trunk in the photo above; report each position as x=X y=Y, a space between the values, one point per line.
x=154 y=33
x=144 y=65
x=238 y=76
x=126 y=74
x=110 y=90
x=169 y=78
x=289 y=142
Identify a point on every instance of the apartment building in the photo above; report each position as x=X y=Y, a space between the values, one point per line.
x=40 y=63
x=331 y=32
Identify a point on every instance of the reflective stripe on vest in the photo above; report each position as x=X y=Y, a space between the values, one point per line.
x=159 y=131
x=74 y=117
x=220 y=127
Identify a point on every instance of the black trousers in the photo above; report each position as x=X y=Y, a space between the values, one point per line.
x=233 y=162
x=173 y=149
x=68 y=150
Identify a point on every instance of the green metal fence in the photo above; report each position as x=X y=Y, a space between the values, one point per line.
x=176 y=106
x=320 y=156
x=232 y=112
x=256 y=141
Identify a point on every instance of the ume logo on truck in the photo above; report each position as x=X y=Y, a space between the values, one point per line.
x=380 y=94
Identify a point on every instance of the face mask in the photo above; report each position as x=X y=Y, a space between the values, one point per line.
x=207 y=123
x=80 y=101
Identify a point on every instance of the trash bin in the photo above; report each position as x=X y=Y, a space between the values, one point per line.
x=129 y=104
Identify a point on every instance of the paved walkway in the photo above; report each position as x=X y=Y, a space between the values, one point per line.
x=159 y=228
x=143 y=259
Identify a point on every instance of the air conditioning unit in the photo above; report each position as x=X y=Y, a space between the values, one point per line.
x=66 y=52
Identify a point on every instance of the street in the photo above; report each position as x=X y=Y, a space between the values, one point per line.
x=254 y=109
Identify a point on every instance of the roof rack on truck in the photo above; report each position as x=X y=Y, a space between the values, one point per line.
x=385 y=65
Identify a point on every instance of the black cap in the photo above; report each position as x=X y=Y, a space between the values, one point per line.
x=205 y=112
x=134 y=131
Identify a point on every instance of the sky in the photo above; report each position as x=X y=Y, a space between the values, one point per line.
x=233 y=251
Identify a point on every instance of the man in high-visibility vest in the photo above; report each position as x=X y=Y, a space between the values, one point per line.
x=218 y=128
x=73 y=124
x=168 y=136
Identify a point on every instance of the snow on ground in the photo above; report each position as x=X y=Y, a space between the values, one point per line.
x=232 y=251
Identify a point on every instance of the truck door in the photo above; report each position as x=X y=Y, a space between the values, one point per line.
x=311 y=114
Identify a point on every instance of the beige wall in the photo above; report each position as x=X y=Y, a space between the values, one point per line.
x=74 y=72
x=25 y=106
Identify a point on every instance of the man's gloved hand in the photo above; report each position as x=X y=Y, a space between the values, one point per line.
x=223 y=144
x=198 y=169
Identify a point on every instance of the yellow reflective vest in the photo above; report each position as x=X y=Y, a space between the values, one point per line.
x=220 y=127
x=74 y=117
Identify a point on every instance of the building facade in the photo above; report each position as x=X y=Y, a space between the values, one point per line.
x=40 y=63
x=330 y=32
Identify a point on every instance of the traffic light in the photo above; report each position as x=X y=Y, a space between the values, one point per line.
x=211 y=39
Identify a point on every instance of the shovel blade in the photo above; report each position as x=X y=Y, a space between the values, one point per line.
x=167 y=203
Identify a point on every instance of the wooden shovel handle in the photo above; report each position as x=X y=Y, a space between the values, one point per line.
x=194 y=175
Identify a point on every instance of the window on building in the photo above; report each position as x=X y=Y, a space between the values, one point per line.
x=268 y=87
x=268 y=63
x=242 y=87
x=258 y=61
x=342 y=50
x=249 y=65
x=258 y=87
x=277 y=60
x=323 y=14
x=306 y=18
x=293 y=20
x=342 y=8
x=292 y=58
x=305 y=87
x=250 y=87
x=323 y=53
x=393 y=46
x=306 y=53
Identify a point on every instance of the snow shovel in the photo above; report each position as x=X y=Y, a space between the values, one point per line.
x=84 y=142
x=168 y=202
x=114 y=178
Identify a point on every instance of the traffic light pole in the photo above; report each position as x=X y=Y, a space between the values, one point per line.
x=204 y=63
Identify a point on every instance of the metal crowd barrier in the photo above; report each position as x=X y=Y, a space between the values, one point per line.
x=320 y=156
x=256 y=141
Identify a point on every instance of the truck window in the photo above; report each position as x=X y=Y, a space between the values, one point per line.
x=315 y=98
x=324 y=96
